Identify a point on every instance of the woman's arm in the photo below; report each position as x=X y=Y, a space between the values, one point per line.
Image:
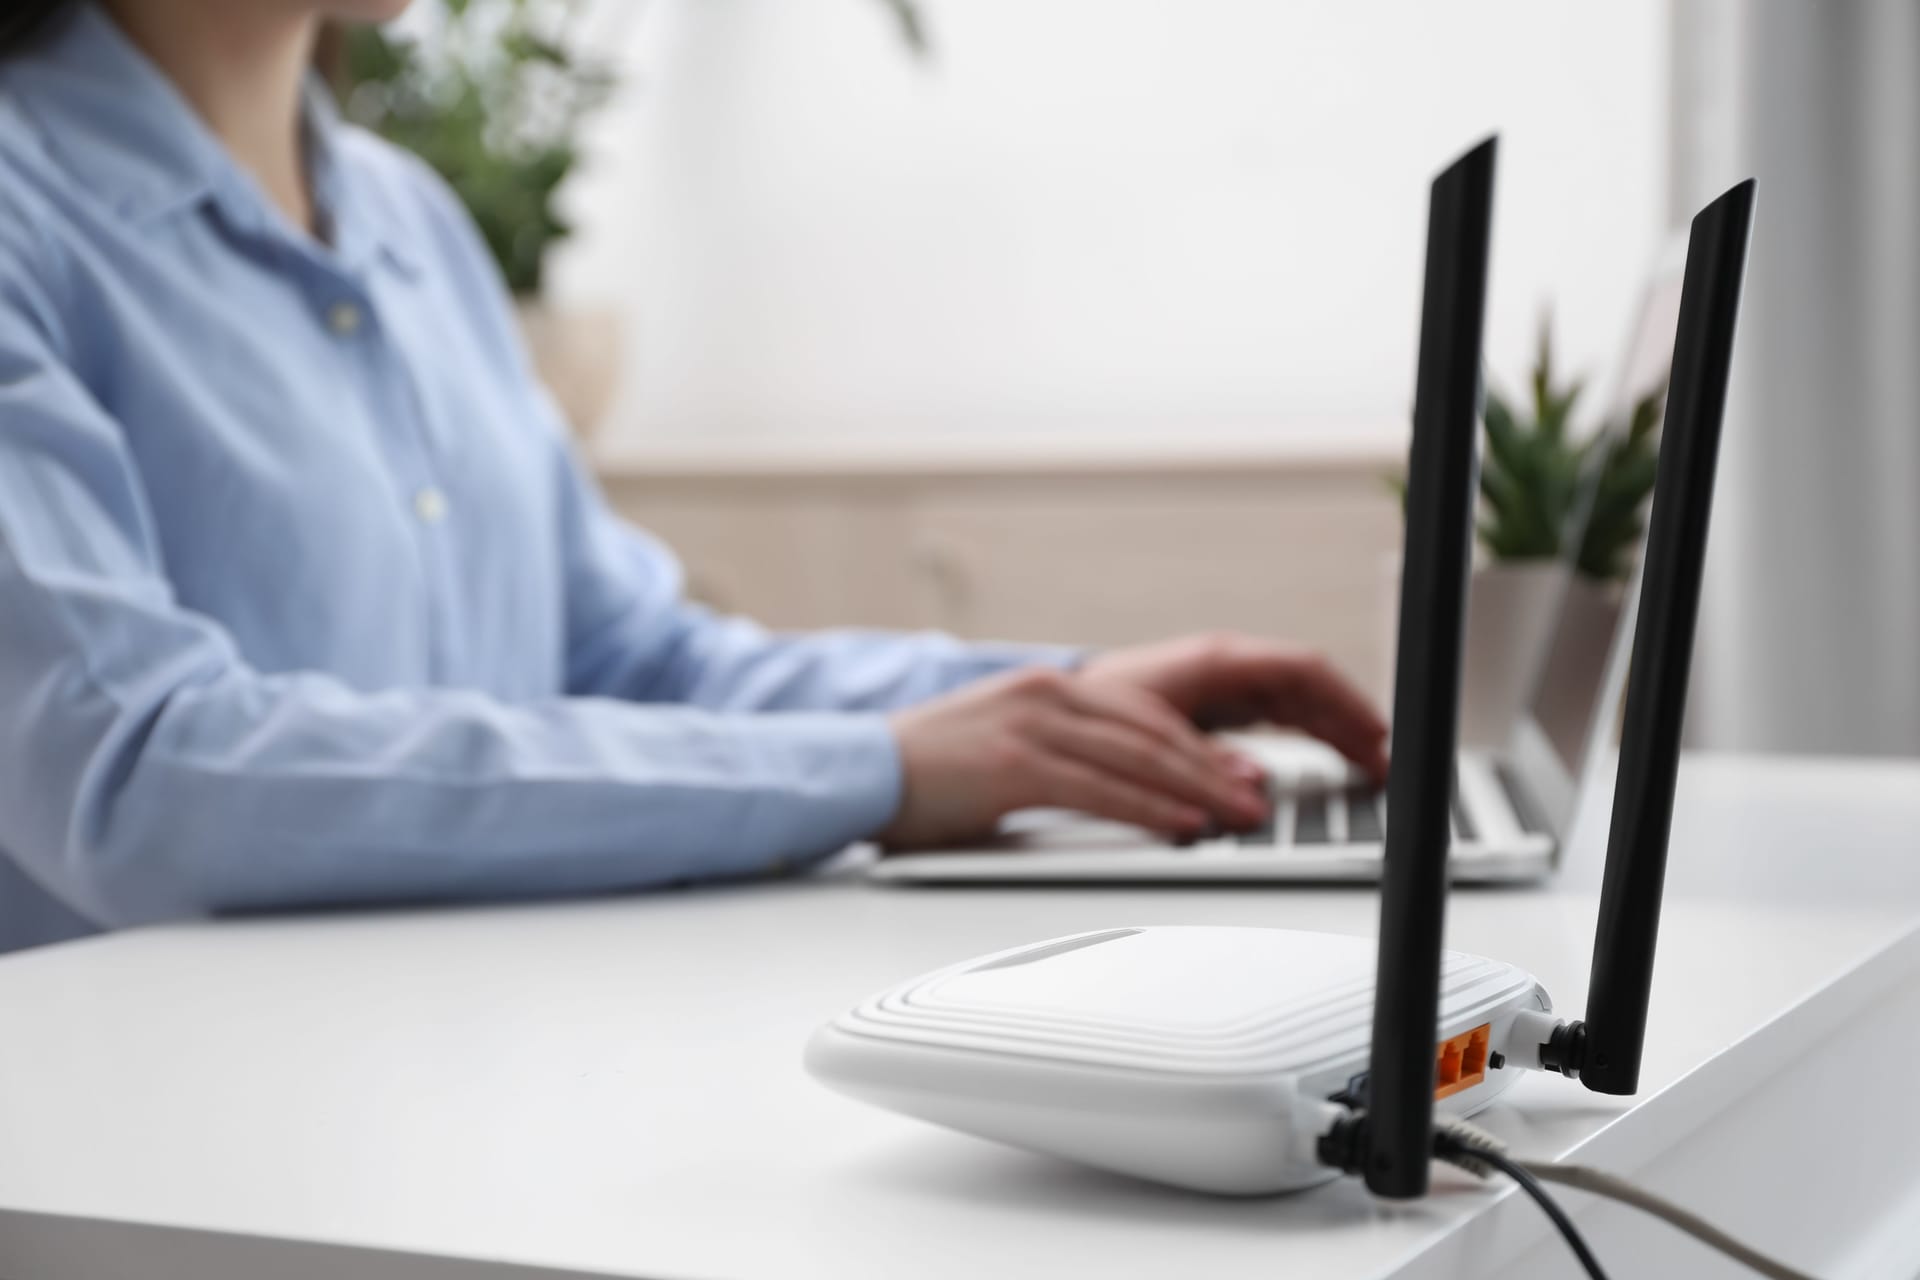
x=147 y=771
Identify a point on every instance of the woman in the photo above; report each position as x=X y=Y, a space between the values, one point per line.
x=303 y=598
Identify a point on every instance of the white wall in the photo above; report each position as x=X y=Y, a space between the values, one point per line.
x=1123 y=215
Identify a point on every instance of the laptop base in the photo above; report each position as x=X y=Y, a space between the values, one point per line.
x=1493 y=842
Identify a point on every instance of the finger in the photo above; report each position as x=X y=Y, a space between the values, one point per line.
x=1196 y=755
x=1117 y=748
x=1365 y=746
x=1146 y=712
x=1152 y=714
x=1369 y=755
x=1238 y=763
x=1313 y=696
x=1232 y=714
x=1070 y=784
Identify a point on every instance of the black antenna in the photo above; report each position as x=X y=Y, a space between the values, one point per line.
x=1616 y=1025
x=1426 y=701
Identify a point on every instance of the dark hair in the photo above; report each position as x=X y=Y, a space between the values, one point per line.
x=19 y=19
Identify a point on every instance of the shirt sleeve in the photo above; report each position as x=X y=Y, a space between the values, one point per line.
x=147 y=771
x=631 y=634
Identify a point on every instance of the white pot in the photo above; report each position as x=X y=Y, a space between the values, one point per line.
x=1511 y=606
x=577 y=353
x=1576 y=663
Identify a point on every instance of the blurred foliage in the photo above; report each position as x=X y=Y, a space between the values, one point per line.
x=494 y=94
x=1618 y=518
x=1534 y=475
x=913 y=28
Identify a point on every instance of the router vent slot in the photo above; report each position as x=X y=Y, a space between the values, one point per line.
x=1056 y=949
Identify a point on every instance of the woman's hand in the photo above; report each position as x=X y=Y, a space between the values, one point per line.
x=1227 y=680
x=1110 y=747
x=1118 y=739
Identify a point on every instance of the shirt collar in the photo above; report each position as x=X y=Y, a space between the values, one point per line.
x=115 y=121
x=361 y=219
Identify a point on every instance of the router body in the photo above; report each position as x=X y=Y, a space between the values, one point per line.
x=1201 y=1057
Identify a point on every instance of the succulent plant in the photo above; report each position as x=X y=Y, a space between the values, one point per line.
x=1617 y=519
x=1535 y=476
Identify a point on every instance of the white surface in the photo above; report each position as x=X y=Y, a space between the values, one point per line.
x=1090 y=215
x=616 y=1086
x=1194 y=1057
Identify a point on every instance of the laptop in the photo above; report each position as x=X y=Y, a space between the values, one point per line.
x=1515 y=802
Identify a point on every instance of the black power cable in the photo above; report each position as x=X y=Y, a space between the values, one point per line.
x=1548 y=1205
x=1342 y=1148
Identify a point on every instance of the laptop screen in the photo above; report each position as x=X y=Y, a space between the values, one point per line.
x=1565 y=711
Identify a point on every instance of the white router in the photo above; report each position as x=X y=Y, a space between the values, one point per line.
x=1252 y=1061
x=1202 y=1057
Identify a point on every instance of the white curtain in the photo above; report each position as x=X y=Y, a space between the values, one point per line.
x=1811 y=633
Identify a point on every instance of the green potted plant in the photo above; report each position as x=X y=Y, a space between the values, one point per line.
x=1608 y=515
x=494 y=94
x=1541 y=484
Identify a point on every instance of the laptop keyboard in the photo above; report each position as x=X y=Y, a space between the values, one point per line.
x=1303 y=814
x=1366 y=809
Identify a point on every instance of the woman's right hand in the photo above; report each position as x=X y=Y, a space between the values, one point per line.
x=1047 y=738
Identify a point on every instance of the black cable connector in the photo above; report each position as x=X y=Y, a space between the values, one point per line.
x=1566 y=1050
x=1344 y=1145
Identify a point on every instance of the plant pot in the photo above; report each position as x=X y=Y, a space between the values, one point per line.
x=1511 y=607
x=1576 y=663
x=577 y=353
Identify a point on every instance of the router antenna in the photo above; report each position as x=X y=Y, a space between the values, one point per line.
x=1616 y=1025
x=1433 y=585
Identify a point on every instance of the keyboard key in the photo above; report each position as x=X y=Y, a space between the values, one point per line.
x=1310 y=821
x=1363 y=815
x=1520 y=800
x=1462 y=825
x=1261 y=835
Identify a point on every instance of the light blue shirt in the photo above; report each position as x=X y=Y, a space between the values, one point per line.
x=303 y=597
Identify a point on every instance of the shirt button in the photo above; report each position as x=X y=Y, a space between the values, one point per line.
x=430 y=505
x=344 y=319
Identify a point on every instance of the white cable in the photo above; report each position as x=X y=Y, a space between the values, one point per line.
x=1600 y=1183
x=1470 y=1137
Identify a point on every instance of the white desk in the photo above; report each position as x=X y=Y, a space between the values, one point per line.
x=614 y=1088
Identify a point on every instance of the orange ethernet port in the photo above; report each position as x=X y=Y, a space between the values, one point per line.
x=1462 y=1061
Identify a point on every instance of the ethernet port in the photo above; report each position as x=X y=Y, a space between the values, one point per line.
x=1461 y=1061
